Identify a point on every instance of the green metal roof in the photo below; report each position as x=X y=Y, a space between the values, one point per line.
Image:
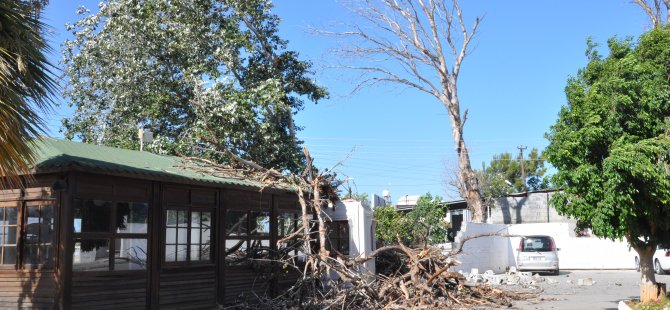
x=56 y=154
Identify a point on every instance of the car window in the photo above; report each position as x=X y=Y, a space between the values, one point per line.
x=536 y=244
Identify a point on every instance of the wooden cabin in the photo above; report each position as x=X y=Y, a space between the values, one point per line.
x=105 y=228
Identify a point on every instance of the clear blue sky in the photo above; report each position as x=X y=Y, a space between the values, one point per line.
x=512 y=84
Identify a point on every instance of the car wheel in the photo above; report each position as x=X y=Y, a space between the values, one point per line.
x=637 y=264
x=657 y=267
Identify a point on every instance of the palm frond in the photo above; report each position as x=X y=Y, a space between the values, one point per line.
x=26 y=86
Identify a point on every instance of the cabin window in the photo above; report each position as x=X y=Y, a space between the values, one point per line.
x=36 y=220
x=9 y=216
x=247 y=237
x=287 y=224
x=188 y=235
x=110 y=235
x=38 y=242
x=338 y=237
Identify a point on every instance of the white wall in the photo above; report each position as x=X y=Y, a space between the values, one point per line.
x=498 y=253
x=361 y=230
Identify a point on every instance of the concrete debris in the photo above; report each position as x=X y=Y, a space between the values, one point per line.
x=585 y=281
x=510 y=278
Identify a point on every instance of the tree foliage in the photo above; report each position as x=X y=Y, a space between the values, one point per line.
x=425 y=224
x=504 y=167
x=197 y=73
x=26 y=84
x=610 y=143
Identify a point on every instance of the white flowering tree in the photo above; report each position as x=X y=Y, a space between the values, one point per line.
x=195 y=72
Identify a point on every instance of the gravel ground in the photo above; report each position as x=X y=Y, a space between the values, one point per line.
x=609 y=287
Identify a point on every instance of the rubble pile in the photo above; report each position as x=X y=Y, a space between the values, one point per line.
x=512 y=277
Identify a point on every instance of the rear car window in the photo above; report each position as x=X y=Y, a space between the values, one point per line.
x=536 y=244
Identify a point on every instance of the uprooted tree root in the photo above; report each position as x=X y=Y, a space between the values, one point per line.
x=426 y=283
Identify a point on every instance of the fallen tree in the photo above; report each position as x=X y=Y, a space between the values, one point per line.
x=332 y=280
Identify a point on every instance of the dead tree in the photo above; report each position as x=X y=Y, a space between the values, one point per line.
x=654 y=10
x=421 y=45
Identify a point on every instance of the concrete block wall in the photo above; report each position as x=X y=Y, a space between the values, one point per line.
x=526 y=208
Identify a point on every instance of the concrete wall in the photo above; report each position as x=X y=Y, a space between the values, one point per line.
x=498 y=253
x=525 y=208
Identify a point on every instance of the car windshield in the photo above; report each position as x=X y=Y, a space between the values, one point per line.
x=536 y=244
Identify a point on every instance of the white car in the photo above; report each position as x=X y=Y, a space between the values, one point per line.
x=537 y=253
x=661 y=261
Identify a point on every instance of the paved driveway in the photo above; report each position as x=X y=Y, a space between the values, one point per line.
x=610 y=286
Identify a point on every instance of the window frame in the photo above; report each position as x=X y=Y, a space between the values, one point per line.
x=335 y=247
x=112 y=235
x=248 y=237
x=40 y=244
x=189 y=211
x=21 y=204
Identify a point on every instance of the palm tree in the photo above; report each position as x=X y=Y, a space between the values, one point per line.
x=26 y=86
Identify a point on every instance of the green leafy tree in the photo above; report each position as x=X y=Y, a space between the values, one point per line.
x=27 y=84
x=506 y=168
x=362 y=197
x=611 y=148
x=425 y=224
x=390 y=225
x=202 y=75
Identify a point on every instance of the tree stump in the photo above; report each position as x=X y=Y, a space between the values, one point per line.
x=652 y=292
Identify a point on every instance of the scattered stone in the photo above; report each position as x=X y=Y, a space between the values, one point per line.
x=512 y=270
x=569 y=281
x=585 y=282
x=512 y=277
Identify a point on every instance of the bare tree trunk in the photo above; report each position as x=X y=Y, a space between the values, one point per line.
x=649 y=289
x=426 y=41
x=323 y=252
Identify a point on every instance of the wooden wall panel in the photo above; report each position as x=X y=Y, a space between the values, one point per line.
x=94 y=290
x=203 y=197
x=193 y=288
x=105 y=187
x=242 y=200
x=243 y=282
x=34 y=290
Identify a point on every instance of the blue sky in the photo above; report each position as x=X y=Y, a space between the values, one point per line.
x=512 y=84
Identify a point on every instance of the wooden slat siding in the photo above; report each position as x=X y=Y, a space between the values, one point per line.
x=95 y=290
x=247 y=200
x=35 y=290
x=242 y=282
x=193 y=288
x=10 y=194
x=35 y=193
x=288 y=277
x=111 y=188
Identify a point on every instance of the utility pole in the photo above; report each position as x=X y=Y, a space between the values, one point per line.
x=523 y=168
